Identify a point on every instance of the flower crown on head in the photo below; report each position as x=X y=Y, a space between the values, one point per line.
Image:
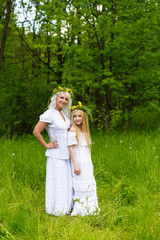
x=62 y=89
x=83 y=108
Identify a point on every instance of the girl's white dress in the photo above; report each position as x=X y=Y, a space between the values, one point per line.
x=84 y=184
x=58 y=171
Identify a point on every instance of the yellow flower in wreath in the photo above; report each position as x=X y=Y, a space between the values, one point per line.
x=80 y=104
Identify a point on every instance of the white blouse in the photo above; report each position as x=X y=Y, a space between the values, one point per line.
x=57 y=130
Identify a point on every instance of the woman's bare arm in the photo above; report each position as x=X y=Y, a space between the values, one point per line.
x=37 y=133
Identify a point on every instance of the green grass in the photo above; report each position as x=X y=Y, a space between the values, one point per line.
x=127 y=172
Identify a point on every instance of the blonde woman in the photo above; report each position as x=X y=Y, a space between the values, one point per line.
x=84 y=185
x=58 y=172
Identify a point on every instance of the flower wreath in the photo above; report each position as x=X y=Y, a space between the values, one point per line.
x=62 y=89
x=83 y=108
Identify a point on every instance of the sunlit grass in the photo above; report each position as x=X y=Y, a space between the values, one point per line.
x=127 y=172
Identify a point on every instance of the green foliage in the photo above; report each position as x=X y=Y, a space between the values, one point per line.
x=116 y=117
x=107 y=52
x=101 y=118
x=21 y=105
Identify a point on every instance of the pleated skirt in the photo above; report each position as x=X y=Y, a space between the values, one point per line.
x=58 y=199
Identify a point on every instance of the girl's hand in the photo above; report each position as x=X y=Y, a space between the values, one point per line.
x=92 y=167
x=52 y=145
x=77 y=170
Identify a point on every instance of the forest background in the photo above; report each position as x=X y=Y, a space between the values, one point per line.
x=108 y=52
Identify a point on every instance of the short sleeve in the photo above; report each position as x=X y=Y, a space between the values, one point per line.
x=46 y=117
x=72 y=140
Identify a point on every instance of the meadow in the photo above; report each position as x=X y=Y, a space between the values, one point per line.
x=127 y=172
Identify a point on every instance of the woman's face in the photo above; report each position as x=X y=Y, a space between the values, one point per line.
x=77 y=118
x=61 y=101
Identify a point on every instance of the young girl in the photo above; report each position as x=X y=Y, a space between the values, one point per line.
x=84 y=185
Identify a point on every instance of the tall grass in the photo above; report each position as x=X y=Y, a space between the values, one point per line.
x=127 y=172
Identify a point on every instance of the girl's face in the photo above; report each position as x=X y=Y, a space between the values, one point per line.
x=61 y=101
x=77 y=118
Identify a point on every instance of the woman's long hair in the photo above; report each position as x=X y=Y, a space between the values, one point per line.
x=85 y=126
x=67 y=108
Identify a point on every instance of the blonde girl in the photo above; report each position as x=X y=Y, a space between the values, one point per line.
x=83 y=181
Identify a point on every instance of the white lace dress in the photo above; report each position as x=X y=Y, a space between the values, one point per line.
x=58 y=171
x=84 y=184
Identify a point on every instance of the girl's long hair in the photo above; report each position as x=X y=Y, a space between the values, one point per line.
x=85 y=126
x=67 y=108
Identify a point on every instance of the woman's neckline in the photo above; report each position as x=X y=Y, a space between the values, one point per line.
x=61 y=114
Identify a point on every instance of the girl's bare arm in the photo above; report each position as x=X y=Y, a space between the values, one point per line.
x=73 y=158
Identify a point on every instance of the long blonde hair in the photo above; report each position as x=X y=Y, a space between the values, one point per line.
x=85 y=126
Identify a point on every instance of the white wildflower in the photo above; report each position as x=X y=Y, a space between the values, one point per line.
x=121 y=141
x=13 y=154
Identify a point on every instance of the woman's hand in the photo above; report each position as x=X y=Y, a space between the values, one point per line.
x=77 y=170
x=52 y=145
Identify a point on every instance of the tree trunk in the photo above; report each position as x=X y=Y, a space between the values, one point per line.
x=131 y=104
x=109 y=101
x=4 y=36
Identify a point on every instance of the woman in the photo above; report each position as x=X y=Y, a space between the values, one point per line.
x=58 y=172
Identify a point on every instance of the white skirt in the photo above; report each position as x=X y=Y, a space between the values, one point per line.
x=58 y=186
x=85 y=191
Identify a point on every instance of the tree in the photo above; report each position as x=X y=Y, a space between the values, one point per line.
x=4 y=34
x=106 y=51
